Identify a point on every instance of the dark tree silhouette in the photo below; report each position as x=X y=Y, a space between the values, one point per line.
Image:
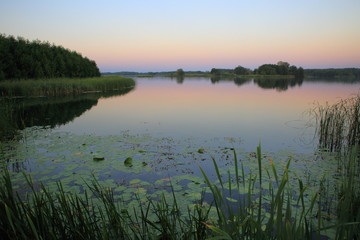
x=239 y=70
x=22 y=59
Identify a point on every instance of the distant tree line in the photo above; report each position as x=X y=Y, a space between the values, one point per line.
x=334 y=73
x=22 y=59
x=281 y=68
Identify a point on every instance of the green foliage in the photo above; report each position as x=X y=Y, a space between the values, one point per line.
x=19 y=113
x=8 y=124
x=268 y=69
x=63 y=86
x=351 y=73
x=239 y=70
x=215 y=71
x=22 y=59
x=278 y=210
x=219 y=71
x=128 y=162
x=349 y=196
x=180 y=75
x=281 y=68
x=180 y=72
x=338 y=125
x=66 y=100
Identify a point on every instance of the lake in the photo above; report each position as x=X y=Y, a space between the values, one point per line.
x=197 y=108
x=162 y=131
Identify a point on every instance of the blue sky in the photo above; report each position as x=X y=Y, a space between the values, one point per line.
x=159 y=35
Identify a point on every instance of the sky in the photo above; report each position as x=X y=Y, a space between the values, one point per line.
x=165 y=35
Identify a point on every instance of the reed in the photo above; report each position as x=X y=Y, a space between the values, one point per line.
x=8 y=125
x=348 y=208
x=250 y=219
x=63 y=86
x=263 y=205
x=338 y=125
x=280 y=211
x=92 y=215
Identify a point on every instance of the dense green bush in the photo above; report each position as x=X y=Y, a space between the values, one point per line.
x=22 y=59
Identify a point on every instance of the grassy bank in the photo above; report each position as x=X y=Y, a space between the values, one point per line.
x=63 y=86
x=258 y=205
x=21 y=106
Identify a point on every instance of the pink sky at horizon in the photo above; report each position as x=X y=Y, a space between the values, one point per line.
x=194 y=35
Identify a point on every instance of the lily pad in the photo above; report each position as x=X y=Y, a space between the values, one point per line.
x=98 y=159
x=135 y=181
x=231 y=199
x=128 y=162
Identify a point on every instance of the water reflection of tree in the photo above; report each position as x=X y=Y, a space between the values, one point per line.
x=52 y=112
x=241 y=81
x=179 y=79
x=238 y=81
x=278 y=84
x=217 y=79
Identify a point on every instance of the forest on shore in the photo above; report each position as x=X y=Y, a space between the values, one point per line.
x=353 y=73
x=279 y=69
x=24 y=59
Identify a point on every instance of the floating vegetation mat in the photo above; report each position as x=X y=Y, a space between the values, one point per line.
x=138 y=164
x=139 y=169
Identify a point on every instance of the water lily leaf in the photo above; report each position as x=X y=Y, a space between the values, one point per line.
x=120 y=188
x=201 y=150
x=194 y=196
x=126 y=196
x=140 y=191
x=231 y=199
x=163 y=181
x=135 y=181
x=128 y=162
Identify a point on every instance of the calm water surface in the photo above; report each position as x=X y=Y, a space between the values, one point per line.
x=249 y=111
x=151 y=141
x=169 y=129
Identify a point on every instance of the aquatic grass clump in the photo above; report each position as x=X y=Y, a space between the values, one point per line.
x=63 y=86
x=338 y=125
x=8 y=130
x=96 y=214
x=348 y=208
x=257 y=205
x=266 y=209
x=270 y=205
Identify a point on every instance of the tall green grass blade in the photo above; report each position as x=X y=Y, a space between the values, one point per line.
x=243 y=174
x=222 y=235
x=236 y=170
x=33 y=228
x=229 y=182
x=270 y=214
x=259 y=157
x=218 y=172
x=9 y=217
